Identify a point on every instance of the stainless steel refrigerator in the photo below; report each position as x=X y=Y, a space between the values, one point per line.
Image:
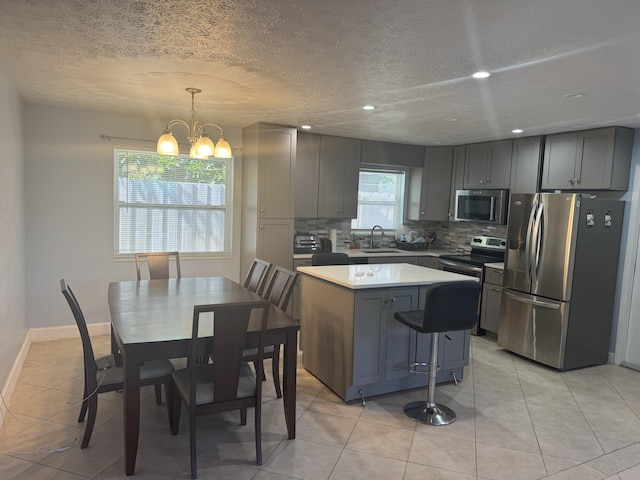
x=559 y=279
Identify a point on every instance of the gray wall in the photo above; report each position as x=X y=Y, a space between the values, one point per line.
x=69 y=209
x=13 y=321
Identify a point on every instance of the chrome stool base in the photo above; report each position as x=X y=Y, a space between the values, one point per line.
x=437 y=415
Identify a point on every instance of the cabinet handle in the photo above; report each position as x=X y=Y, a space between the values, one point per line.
x=262 y=210
x=576 y=180
x=570 y=181
x=496 y=290
x=261 y=227
x=393 y=300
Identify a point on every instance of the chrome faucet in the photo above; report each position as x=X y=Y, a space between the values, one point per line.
x=381 y=231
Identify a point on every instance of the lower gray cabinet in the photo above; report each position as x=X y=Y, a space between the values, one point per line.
x=491 y=298
x=430 y=262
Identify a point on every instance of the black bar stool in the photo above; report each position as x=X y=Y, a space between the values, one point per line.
x=449 y=306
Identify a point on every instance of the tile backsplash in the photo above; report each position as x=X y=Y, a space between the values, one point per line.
x=452 y=236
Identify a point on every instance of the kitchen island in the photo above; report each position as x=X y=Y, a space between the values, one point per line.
x=352 y=343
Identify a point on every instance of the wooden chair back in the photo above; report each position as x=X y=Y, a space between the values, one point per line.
x=257 y=276
x=158 y=263
x=280 y=287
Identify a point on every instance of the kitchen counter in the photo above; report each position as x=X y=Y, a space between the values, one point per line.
x=381 y=275
x=498 y=265
x=350 y=339
x=381 y=252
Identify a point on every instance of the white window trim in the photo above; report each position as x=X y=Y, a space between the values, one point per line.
x=228 y=208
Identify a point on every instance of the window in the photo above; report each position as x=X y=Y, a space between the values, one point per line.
x=380 y=198
x=172 y=203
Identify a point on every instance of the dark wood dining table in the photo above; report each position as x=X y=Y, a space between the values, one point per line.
x=152 y=319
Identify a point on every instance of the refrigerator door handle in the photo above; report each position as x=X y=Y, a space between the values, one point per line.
x=531 y=301
x=529 y=240
x=535 y=251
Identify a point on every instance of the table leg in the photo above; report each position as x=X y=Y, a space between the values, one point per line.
x=289 y=382
x=131 y=410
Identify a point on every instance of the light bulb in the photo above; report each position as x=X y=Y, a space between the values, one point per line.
x=167 y=144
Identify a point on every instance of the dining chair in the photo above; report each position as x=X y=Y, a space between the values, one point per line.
x=257 y=275
x=105 y=374
x=278 y=292
x=328 y=258
x=227 y=383
x=158 y=263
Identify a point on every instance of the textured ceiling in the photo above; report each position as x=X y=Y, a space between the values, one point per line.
x=318 y=61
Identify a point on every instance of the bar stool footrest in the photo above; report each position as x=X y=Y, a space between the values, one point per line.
x=438 y=415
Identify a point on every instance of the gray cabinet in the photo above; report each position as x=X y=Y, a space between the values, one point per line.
x=306 y=175
x=381 y=343
x=430 y=186
x=597 y=159
x=491 y=298
x=488 y=165
x=353 y=344
x=295 y=295
x=386 y=153
x=268 y=159
x=338 y=177
x=429 y=262
x=392 y=259
x=457 y=177
x=526 y=161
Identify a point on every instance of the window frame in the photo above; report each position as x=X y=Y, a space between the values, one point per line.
x=227 y=207
x=376 y=168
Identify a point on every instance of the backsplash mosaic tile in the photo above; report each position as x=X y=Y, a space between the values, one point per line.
x=451 y=236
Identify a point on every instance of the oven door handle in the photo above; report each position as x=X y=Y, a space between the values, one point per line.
x=462 y=267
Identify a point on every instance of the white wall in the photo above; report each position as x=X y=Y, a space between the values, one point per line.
x=69 y=209
x=13 y=321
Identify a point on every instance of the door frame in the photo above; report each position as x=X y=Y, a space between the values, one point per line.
x=626 y=306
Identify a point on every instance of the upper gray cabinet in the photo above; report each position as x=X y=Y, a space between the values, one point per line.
x=525 y=165
x=338 y=177
x=488 y=165
x=457 y=177
x=306 y=175
x=430 y=186
x=597 y=159
x=386 y=153
x=268 y=162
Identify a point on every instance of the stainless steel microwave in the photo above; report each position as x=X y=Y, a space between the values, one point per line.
x=483 y=206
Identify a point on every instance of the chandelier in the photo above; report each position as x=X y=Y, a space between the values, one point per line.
x=201 y=145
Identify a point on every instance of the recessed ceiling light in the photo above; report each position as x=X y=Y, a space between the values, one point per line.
x=481 y=74
x=450 y=119
x=306 y=127
x=368 y=107
x=573 y=95
x=517 y=130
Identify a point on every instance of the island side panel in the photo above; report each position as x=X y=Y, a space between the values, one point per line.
x=326 y=331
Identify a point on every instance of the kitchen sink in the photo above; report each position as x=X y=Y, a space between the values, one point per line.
x=380 y=250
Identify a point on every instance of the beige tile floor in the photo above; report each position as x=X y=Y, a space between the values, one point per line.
x=516 y=420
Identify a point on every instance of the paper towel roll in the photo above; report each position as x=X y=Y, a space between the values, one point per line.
x=333 y=236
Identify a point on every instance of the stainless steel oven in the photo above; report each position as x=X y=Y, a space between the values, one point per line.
x=483 y=250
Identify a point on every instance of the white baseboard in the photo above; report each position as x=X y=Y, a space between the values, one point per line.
x=14 y=375
x=69 y=331
x=42 y=335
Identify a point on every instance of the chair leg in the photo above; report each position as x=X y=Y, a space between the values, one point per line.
x=158 y=388
x=430 y=412
x=176 y=407
x=169 y=396
x=92 y=407
x=258 y=429
x=275 y=366
x=243 y=416
x=85 y=402
x=192 y=443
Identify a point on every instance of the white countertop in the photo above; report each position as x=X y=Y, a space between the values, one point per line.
x=499 y=265
x=381 y=252
x=381 y=275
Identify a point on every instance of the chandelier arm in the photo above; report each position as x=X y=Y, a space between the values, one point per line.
x=202 y=125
